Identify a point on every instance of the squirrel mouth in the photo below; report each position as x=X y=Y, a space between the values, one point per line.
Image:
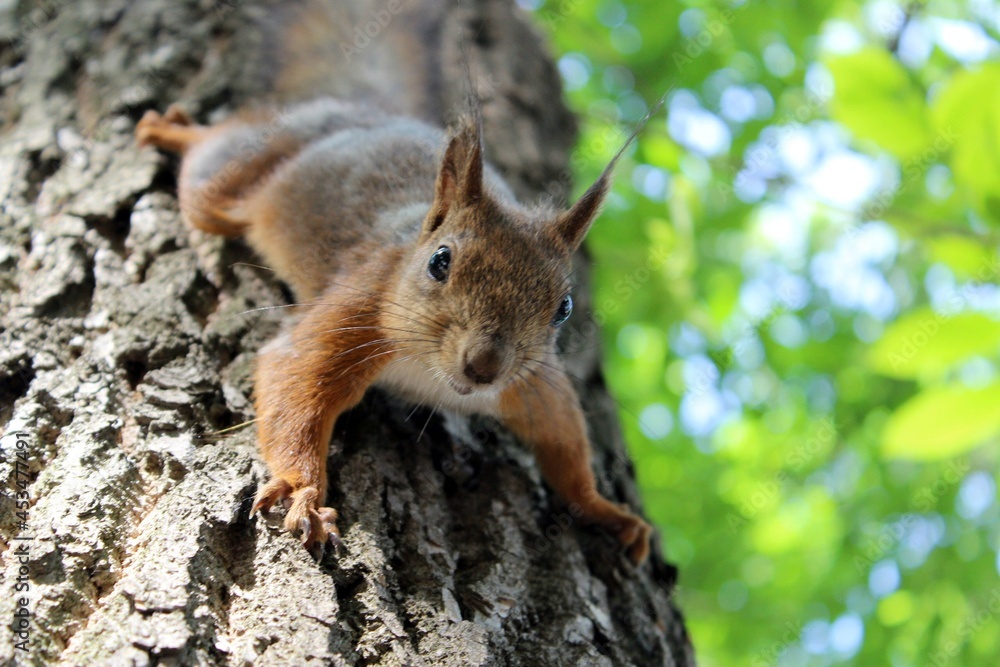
x=464 y=390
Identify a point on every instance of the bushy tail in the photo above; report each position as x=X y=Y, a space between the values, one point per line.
x=368 y=51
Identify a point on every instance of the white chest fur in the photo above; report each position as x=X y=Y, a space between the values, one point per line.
x=415 y=381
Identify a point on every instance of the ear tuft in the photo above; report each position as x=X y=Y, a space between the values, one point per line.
x=572 y=226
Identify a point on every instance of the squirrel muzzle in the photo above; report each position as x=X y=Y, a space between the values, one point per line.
x=485 y=360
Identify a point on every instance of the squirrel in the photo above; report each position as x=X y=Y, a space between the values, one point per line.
x=424 y=276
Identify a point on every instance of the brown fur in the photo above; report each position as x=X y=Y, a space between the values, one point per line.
x=348 y=205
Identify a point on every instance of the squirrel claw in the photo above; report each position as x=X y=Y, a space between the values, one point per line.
x=173 y=130
x=635 y=538
x=275 y=490
x=317 y=551
x=316 y=526
x=176 y=115
x=144 y=129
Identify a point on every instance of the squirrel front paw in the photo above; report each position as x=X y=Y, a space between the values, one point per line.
x=171 y=130
x=316 y=525
x=634 y=536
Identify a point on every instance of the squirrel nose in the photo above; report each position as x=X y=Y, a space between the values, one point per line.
x=482 y=366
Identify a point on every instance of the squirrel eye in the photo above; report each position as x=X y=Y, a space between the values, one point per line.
x=437 y=268
x=565 y=308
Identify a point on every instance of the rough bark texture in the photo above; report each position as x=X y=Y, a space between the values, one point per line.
x=126 y=345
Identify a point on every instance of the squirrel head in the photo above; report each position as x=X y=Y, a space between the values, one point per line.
x=488 y=286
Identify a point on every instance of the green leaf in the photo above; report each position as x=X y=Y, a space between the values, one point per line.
x=967 y=118
x=877 y=100
x=969 y=259
x=925 y=344
x=661 y=151
x=942 y=422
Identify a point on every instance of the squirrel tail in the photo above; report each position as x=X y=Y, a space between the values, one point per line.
x=308 y=49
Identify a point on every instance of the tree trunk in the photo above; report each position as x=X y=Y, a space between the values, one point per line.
x=127 y=345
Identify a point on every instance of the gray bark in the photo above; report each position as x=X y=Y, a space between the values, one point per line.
x=127 y=344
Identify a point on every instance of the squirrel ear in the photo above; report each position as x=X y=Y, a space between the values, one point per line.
x=572 y=225
x=460 y=179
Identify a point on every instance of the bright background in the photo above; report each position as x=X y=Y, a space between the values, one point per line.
x=797 y=274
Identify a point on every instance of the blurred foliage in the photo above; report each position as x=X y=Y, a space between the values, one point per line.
x=797 y=277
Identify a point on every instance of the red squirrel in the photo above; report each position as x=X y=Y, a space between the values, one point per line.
x=424 y=276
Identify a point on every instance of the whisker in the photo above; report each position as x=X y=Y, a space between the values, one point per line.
x=618 y=403
x=255 y=266
x=424 y=319
x=366 y=360
x=408 y=357
x=376 y=327
x=427 y=423
x=366 y=313
x=234 y=428
x=381 y=341
x=562 y=392
x=382 y=299
x=526 y=382
x=426 y=336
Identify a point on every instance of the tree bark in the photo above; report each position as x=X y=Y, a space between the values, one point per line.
x=128 y=341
